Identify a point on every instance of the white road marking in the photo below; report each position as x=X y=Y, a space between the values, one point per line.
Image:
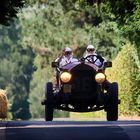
x=132 y=130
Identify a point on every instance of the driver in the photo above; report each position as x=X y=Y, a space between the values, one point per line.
x=90 y=51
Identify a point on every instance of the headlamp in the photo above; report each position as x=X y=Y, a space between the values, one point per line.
x=65 y=77
x=100 y=77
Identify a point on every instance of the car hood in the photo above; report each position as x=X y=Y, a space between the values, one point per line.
x=70 y=66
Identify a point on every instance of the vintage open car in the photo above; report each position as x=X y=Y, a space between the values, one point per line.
x=82 y=87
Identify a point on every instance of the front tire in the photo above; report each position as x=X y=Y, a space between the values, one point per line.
x=49 y=102
x=112 y=105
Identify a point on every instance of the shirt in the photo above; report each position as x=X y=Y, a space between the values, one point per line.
x=66 y=60
x=94 y=59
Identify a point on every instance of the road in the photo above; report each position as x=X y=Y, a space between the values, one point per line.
x=70 y=130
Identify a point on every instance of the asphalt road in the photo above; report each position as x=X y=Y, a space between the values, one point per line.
x=70 y=130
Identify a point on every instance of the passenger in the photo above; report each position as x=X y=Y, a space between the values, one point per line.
x=67 y=57
x=90 y=51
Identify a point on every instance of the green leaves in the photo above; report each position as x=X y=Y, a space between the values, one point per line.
x=9 y=10
x=45 y=27
x=125 y=71
x=127 y=16
x=16 y=70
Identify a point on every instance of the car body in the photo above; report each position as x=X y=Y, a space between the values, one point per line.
x=82 y=87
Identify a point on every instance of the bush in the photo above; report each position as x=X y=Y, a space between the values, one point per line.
x=126 y=72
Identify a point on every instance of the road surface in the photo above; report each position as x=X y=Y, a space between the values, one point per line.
x=70 y=130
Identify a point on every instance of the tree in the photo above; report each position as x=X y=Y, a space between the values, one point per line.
x=23 y=69
x=9 y=10
x=126 y=14
x=16 y=70
x=48 y=29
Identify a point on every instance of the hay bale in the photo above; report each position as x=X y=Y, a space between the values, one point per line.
x=3 y=104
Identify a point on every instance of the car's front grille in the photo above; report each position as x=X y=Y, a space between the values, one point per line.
x=83 y=82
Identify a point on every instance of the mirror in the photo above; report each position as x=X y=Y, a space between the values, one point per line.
x=55 y=64
x=108 y=64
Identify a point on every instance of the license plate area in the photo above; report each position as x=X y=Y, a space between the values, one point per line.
x=66 y=88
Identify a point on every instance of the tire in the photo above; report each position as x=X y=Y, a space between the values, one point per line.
x=112 y=105
x=49 y=102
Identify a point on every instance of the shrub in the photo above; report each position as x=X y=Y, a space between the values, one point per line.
x=125 y=71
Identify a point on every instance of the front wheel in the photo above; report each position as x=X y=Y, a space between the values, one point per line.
x=112 y=105
x=49 y=102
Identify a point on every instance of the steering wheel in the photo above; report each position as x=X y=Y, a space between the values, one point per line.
x=94 y=58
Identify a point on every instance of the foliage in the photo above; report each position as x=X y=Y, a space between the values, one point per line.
x=44 y=28
x=9 y=10
x=22 y=75
x=53 y=28
x=128 y=18
x=32 y=2
x=121 y=9
x=15 y=71
x=49 y=28
x=98 y=114
x=126 y=72
x=37 y=94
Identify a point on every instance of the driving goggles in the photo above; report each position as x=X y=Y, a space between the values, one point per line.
x=90 y=50
x=68 y=53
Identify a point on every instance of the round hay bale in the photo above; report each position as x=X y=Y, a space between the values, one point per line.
x=3 y=104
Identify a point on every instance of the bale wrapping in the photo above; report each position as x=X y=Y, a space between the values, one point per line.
x=3 y=104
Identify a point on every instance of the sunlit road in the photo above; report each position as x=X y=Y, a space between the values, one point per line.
x=70 y=130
